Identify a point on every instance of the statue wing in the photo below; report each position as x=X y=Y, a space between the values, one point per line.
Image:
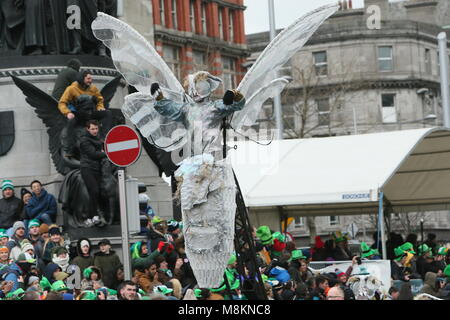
x=135 y=58
x=46 y=108
x=109 y=90
x=264 y=73
x=160 y=131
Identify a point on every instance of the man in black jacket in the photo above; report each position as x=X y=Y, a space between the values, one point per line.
x=10 y=206
x=66 y=77
x=92 y=153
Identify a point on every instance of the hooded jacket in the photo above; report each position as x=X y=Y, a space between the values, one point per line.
x=44 y=203
x=83 y=261
x=10 y=211
x=91 y=152
x=429 y=286
x=108 y=265
x=49 y=270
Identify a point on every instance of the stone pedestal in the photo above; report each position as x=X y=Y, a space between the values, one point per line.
x=29 y=157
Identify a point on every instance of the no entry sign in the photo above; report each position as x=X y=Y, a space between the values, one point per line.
x=122 y=146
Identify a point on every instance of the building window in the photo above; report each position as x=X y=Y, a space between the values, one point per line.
x=388 y=113
x=231 y=26
x=174 y=14
x=428 y=61
x=172 y=58
x=320 y=63
x=299 y=222
x=200 y=62
x=385 y=60
x=323 y=109
x=204 y=19
x=192 y=15
x=229 y=73
x=333 y=220
x=220 y=23
x=161 y=12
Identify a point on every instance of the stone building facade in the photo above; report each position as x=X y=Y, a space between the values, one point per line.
x=360 y=74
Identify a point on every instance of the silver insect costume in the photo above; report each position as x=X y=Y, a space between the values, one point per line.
x=190 y=120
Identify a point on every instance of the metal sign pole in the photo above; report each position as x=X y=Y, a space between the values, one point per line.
x=124 y=225
x=381 y=225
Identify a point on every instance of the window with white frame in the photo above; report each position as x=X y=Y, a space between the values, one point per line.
x=321 y=63
x=204 y=31
x=229 y=73
x=299 y=222
x=172 y=57
x=323 y=109
x=333 y=220
x=200 y=60
x=388 y=112
x=231 y=26
x=385 y=58
x=174 y=14
x=192 y=15
x=161 y=12
x=220 y=23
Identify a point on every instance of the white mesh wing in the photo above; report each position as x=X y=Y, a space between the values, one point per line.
x=135 y=58
x=159 y=130
x=277 y=54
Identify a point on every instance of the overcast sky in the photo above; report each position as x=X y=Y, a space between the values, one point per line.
x=286 y=12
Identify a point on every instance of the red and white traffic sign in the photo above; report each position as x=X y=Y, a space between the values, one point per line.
x=123 y=146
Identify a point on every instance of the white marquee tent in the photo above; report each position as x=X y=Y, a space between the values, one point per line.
x=408 y=170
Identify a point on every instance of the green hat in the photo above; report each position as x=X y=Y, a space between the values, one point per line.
x=89 y=295
x=447 y=271
x=366 y=251
x=408 y=246
x=232 y=260
x=3 y=234
x=162 y=289
x=424 y=249
x=198 y=293
x=59 y=286
x=278 y=235
x=156 y=220
x=45 y=284
x=87 y=273
x=7 y=184
x=442 y=251
x=136 y=250
x=265 y=235
x=34 y=223
x=16 y=295
x=399 y=253
x=338 y=236
x=297 y=254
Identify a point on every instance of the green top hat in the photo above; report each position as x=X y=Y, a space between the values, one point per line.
x=297 y=254
x=232 y=281
x=399 y=253
x=59 y=286
x=265 y=235
x=16 y=295
x=162 y=289
x=232 y=260
x=89 y=295
x=424 y=249
x=408 y=246
x=442 y=251
x=278 y=235
x=45 y=284
x=156 y=220
x=338 y=237
x=34 y=223
x=366 y=251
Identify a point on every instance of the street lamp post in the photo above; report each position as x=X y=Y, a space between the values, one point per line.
x=443 y=58
x=276 y=99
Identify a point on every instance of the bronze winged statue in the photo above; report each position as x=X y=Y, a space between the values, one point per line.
x=64 y=147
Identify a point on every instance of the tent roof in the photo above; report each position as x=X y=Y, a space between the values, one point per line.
x=343 y=175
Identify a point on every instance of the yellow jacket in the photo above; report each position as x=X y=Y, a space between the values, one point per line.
x=74 y=91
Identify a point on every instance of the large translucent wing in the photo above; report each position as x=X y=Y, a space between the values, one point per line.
x=135 y=58
x=254 y=103
x=277 y=54
x=160 y=131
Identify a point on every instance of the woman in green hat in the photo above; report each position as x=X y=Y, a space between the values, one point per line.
x=425 y=260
